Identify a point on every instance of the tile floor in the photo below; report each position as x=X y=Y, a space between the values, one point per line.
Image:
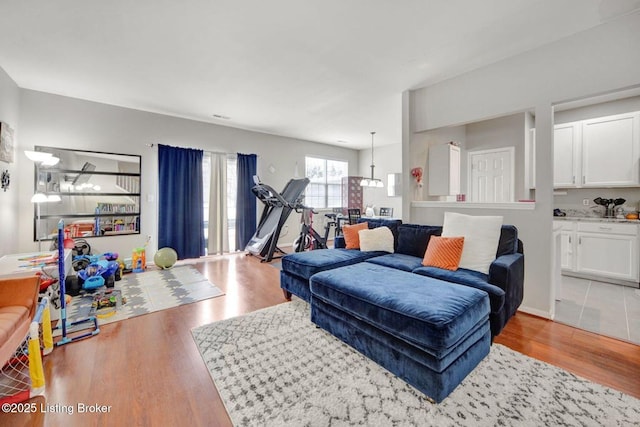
x=604 y=308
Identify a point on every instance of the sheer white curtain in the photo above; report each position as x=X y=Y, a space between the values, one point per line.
x=218 y=241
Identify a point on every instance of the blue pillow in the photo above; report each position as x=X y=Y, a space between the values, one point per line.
x=414 y=238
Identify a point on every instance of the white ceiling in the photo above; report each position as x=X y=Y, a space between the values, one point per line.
x=322 y=71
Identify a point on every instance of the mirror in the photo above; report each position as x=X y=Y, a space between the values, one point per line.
x=99 y=194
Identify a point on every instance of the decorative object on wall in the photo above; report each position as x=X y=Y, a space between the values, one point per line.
x=372 y=182
x=417 y=174
x=6 y=143
x=6 y=179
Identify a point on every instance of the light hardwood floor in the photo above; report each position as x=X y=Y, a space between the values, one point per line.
x=149 y=372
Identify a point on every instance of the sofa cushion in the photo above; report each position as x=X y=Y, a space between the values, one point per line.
x=444 y=252
x=431 y=314
x=481 y=237
x=393 y=225
x=399 y=261
x=466 y=277
x=306 y=264
x=352 y=236
x=376 y=239
x=414 y=238
x=508 y=241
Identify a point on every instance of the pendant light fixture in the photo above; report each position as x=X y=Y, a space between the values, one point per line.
x=372 y=182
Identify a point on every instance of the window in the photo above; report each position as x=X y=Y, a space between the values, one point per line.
x=325 y=188
x=231 y=196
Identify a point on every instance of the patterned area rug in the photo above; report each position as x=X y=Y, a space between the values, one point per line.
x=273 y=367
x=153 y=290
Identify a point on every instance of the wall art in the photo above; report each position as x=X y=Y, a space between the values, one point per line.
x=6 y=143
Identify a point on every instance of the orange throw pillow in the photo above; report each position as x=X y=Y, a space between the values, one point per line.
x=444 y=252
x=351 y=237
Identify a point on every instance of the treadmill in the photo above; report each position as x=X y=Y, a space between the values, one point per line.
x=277 y=208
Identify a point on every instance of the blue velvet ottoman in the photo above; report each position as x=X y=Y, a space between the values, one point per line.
x=429 y=332
x=297 y=268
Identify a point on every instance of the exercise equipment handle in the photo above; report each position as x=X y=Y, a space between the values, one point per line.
x=268 y=195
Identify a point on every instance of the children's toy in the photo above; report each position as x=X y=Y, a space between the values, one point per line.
x=106 y=303
x=165 y=258
x=63 y=325
x=22 y=376
x=139 y=260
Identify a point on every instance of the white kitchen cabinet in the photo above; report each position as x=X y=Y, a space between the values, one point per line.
x=601 y=249
x=444 y=170
x=567 y=244
x=610 y=151
x=601 y=152
x=567 y=139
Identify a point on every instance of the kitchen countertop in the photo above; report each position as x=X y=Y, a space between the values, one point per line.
x=595 y=219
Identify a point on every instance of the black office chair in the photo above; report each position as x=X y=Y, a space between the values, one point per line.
x=354 y=215
x=386 y=212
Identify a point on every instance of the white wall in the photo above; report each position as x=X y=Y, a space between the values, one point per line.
x=58 y=121
x=387 y=159
x=501 y=132
x=9 y=113
x=419 y=155
x=596 y=61
x=594 y=111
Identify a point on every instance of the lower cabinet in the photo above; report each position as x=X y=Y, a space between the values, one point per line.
x=567 y=247
x=607 y=250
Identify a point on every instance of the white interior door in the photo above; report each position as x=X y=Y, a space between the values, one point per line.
x=491 y=175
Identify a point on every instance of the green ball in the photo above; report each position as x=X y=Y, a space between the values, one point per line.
x=165 y=258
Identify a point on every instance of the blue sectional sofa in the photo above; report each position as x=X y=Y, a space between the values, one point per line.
x=504 y=283
x=428 y=332
x=430 y=327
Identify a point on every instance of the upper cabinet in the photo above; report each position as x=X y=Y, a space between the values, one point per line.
x=601 y=152
x=610 y=150
x=566 y=154
x=444 y=170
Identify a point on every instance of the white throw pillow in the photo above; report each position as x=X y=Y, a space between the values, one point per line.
x=481 y=237
x=376 y=239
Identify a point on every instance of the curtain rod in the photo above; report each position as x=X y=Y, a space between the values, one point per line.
x=206 y=151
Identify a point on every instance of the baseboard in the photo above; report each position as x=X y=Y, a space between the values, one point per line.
x=536 y=312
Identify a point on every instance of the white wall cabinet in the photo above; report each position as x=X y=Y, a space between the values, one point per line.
x=444 y=170
x=566 y=154
x=603 y=249
x=610 y=151
x=601 y=152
